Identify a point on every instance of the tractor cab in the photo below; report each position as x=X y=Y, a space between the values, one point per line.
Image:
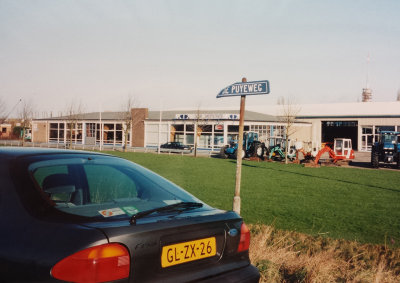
x=248 y=139
x=388 y=140
x=343 y=148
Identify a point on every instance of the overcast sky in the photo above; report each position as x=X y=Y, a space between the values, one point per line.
x=180 y=54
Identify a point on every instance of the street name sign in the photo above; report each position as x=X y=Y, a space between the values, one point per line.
x=242 y=89
x=245 y=88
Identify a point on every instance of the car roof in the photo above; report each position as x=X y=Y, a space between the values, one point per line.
x=14 y=152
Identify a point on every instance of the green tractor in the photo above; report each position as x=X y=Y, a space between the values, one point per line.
x=252 y=147
x=386 y=149
x=276 y=152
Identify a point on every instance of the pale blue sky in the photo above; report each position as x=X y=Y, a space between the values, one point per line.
x=182 y=53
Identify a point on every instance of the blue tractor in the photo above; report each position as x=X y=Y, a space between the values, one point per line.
x=252 y=147
x=386 y=149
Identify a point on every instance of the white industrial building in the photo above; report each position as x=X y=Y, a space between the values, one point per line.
x=359 y=121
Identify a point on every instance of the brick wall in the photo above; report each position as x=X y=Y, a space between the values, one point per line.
x=138 y=117
x=39 y=132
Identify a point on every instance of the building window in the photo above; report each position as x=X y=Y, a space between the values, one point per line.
x=367 y=130
x=367 y=138
x=74 y=133
x=189 y=139
x=57 y=132
x=263 y=132
x=276 y=134
x=91 y=130
x=205 y=139
x=108 y=134
x=218 y=139
x=189 y=128
x=112 y=133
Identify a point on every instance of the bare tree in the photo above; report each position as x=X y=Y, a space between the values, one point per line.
x=2 y=110
x=73 y=114
x=26 y=115
x=2 y=113
x=200 y=124
x=127 y=119
x=288 y=115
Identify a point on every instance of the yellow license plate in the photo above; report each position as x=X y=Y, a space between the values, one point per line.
x=188 y=251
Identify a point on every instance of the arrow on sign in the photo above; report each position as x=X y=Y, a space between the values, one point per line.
x=245 y=88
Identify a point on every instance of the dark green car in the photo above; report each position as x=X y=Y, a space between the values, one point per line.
x=88 y=217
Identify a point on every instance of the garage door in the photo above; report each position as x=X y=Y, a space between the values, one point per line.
x=340 y=129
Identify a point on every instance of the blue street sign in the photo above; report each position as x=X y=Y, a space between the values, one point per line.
x=247 y=88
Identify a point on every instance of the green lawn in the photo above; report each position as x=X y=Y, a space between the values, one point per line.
x=349 y=203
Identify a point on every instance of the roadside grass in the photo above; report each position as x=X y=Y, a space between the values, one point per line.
x=341 y=203
x=285 y=256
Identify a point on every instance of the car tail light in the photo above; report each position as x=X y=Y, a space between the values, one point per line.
x=97 y=264
x=244 y=242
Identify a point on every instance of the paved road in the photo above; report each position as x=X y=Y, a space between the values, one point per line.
x=363 y=160
x=362 y=156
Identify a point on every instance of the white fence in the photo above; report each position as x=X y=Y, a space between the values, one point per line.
x=18 y=143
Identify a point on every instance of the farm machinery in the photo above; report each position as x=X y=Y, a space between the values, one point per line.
x=252 y=147
x=278 y=153
x=386 y=149
x=341 y=153
x=308 y=150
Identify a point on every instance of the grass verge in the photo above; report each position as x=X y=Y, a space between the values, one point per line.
x=283 y=256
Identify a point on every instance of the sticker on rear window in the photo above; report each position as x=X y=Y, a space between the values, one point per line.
x=112 y=212
x=130 y=210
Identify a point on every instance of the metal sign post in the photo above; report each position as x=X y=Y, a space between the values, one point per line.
x=242 y=89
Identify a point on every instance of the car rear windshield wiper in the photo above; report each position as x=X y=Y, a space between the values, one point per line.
x=176 y=206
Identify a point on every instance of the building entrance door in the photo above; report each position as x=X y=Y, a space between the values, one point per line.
x=367 y=138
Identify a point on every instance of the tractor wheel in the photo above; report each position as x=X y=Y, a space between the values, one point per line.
x=259 y=150
x=374 y=159
x=222 y=153
x=243 y=154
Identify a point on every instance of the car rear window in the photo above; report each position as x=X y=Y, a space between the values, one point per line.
x=105 y=187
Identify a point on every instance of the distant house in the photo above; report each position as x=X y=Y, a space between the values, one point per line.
x=6 y=131
x=11 y=129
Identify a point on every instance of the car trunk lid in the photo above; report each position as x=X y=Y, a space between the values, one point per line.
x=186 y=247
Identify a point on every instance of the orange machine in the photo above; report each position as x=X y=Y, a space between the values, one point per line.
x=342 y=150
